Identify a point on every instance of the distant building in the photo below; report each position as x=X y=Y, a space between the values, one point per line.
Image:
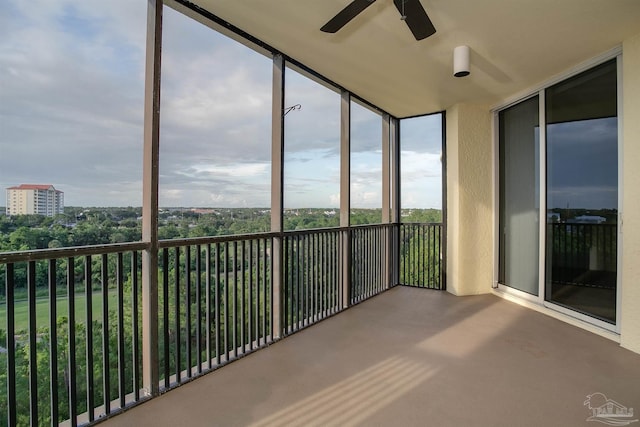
x=30 y=199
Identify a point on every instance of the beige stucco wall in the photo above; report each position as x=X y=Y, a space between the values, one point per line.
x=630 y=309
x=470 y=218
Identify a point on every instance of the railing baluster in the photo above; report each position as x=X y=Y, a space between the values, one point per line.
x=227 y=329
x=165 y=318
x=323 y=274
x=439 y=263
x=262 y=284
x=252 y=302
x=339 y=297
x=427 y=240
x=12 y=417
x=187 y=309
x=337 y=258
x=368 y=261
x=306 y=292
x=242 y=298
x=313 y=281
x=53 y=340
x=294 y=280
x=208 y=305
x=260 y=279
x=377 y=273
x=33 y=354
x=89 y=336
x=72 y=386
x=235 y=299
x=295 y=257
x=372 y=260
x=198 y=330
x=176 y=296
x=305 y=282
x=300 y=296
x=121 y=345
x=217 y=304
x=432 y=278
x=424 y=243
x=355 y=266
x=286 y=284
x=430 y=260
x=105 y=334
x=270 y=295
x=267 y=285
x=364 y=270
x=134 y=328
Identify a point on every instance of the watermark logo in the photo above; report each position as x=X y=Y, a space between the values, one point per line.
x=608 y=411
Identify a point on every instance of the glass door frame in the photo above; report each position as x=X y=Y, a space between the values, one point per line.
x=539 y=299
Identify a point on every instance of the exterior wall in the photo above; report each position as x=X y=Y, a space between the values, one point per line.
x=19 y=202
x=630 y=314
x=470 y=218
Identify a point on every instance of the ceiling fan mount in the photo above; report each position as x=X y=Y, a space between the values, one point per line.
x=411 y=12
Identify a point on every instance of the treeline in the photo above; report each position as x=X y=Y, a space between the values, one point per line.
x=94 y=226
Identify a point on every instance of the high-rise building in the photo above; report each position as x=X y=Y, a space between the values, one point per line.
x=29 y=199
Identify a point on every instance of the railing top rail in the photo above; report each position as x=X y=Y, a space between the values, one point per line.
x=422 y=223
x=192 y=241
x=73 y=251
x=43 y=254
x=376 y=225
x=314 y=231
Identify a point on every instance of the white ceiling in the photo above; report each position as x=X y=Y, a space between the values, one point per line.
x=515 y=44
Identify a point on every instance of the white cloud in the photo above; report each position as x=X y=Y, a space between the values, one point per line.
x=71 y=114
x=236 y=170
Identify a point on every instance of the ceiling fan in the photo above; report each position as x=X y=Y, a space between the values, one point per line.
x=411 y=12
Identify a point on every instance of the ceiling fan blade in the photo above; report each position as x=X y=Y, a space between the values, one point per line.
x=416 y=18
x=345 y=15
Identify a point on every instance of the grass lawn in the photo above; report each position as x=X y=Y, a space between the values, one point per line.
x=42 y=309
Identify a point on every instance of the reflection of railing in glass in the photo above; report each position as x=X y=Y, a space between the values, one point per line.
x=583 y=254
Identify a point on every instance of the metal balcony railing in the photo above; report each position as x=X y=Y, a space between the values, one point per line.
x=421 y=255
x=72 y=337
x=313 y=277
x=215 y=303
x=72 y=317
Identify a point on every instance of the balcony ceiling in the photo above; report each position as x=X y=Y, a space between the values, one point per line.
x=515 y=44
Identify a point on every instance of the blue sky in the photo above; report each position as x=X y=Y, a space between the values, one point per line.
x=71 y=114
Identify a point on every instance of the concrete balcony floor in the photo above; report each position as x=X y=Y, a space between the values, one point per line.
x=411 y=357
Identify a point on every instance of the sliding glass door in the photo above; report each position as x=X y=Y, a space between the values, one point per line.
x=582 y=192
x=576 y=139
x=520 y=196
